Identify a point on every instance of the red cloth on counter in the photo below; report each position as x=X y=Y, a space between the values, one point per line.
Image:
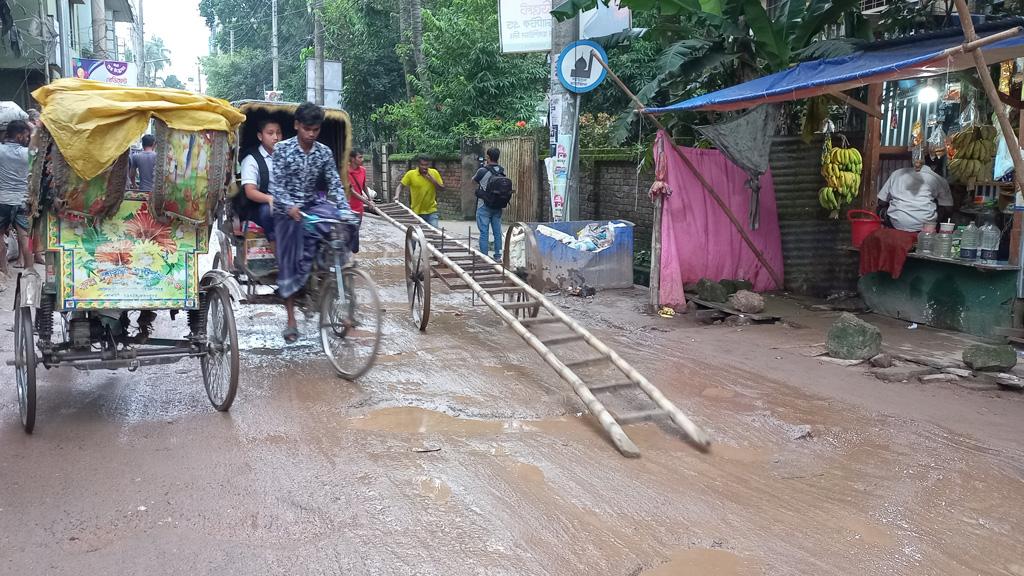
x=885 y=250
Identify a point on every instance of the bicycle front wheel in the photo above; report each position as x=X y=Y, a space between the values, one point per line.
x=350 y=324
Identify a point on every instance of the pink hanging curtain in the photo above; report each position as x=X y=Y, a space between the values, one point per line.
x=697 y=238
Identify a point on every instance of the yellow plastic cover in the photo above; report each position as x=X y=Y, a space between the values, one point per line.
x=93 y=122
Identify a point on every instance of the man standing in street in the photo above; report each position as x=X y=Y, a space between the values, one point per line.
x=423 y=183
x=299 y=162
x=14 y=162
x=255 y=203
x=357 y=197
x=141 y=165
x=488 y=219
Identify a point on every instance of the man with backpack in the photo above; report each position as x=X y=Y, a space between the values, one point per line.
x=494 y=193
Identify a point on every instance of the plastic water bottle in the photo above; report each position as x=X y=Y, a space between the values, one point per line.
x=990 y=236
x=969 y=242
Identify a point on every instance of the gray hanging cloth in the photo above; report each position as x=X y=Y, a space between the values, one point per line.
x=747 y=141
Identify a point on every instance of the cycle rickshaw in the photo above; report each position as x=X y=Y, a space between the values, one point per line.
x=112 y=253
x=344 y=296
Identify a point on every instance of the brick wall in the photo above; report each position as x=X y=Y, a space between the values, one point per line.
x=608 y=190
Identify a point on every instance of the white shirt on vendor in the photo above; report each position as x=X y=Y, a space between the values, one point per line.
x=912 y=197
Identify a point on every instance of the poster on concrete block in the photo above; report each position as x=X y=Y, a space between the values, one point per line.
x=557 y=168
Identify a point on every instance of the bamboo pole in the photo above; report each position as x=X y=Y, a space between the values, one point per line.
x=654 y=278
x=872 y=156
x=700 y=178
x=870 y=108
x=971 y=40
x=697 y=435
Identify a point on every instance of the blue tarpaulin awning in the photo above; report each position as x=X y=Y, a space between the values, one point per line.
x=907 y=59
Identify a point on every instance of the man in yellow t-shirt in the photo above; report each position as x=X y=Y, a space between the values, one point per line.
x=423 y=183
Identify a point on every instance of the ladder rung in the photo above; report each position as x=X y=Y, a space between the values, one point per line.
x=540 y=320
x=561 y=340
x=506 y=290
x=520 y=305
x=587 y=362
x=640 y=416
x=610 y=386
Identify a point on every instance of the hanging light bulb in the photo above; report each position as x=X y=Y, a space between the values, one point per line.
x=928 y=94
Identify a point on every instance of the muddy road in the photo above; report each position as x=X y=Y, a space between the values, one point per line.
x=461 y=453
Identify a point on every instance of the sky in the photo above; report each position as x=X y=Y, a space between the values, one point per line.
x=184 y=33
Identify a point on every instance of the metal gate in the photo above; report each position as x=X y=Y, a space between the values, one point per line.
x=519 y=157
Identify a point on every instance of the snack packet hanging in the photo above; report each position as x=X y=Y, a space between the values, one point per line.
x=937 y=143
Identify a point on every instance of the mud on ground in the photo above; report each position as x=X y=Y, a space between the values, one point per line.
x=462 y=453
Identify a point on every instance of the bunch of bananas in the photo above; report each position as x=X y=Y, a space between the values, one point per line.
x=972 y=153
x=841 y=167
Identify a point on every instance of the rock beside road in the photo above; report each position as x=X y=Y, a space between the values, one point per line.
x=882 y=361
x=988 y=358
x=747 y=302
x=734 y=286
x=851 y=338
x=711 y=291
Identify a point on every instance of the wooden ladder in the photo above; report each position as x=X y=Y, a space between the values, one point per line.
x=556 y=337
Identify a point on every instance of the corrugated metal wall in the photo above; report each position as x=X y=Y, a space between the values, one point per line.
x=813 y=246
x=519 y=157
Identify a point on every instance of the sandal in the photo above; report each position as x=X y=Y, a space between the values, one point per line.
x=290 y=334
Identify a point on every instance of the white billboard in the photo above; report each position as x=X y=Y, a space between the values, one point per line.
x=109 y=71
x=525 y=25
x=332 y=83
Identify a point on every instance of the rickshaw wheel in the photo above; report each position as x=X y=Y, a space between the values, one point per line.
x=350 y=327
x=25 y=366
x=220 y=364
x=417 y=276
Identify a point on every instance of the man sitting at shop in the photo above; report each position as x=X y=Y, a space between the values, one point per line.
x=909 y=197
x=298 y=163
x=255 y=203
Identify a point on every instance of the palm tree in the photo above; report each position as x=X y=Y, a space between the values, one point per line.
x=157 y=58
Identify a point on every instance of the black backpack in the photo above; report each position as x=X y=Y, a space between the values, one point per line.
x=498 y=192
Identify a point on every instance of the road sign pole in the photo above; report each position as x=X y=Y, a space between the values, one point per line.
x=564 y=114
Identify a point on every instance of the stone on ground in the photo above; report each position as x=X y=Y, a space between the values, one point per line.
x=882 y=361
x=988 y=358
x=734 y=286
x=710 y=291
x=747 y=302
x=851 y=338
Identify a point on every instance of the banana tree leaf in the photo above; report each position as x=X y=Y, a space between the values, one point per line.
x=769 y=37
x=819 y=14
x=619 y=38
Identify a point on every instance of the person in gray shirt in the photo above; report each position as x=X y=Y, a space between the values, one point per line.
x=14 y=190
x=141 y=165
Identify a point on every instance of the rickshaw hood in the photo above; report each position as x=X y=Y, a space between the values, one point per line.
x=93 y=122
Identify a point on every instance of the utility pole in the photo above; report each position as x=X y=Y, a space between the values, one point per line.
x=140 y=46
x=273 y=38
x=232 y=40
x=99 y=29
x=318 y=49
x=199 y=74
x=563 y=108
x=46 y=44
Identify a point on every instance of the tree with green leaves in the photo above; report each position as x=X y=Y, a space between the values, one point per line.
x=251 y=22
x=157 y=58
x=711 y=44
x=172 y=81
x=363 y=34
x=474 y=89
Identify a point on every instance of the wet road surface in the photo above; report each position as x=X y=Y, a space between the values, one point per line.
x=462 y=453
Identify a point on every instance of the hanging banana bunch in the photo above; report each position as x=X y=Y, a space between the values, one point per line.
x=973 y=149
x=841 y=167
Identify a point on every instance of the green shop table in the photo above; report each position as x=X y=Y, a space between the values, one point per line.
x=967 y=297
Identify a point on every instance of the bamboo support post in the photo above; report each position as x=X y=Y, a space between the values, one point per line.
x=972 y=44
x=872 y=149
x=698 y=437
x=654 y=279
x=700 y=177
x=870 y=108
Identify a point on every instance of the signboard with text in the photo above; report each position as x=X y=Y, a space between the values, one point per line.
x=109 y=71
x=525 y=25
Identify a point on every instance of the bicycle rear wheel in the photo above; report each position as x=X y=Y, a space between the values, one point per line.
x=350 y=325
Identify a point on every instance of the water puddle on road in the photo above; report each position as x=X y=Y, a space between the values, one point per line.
x=411 y=420
x=703 y=562
x=434 y=488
